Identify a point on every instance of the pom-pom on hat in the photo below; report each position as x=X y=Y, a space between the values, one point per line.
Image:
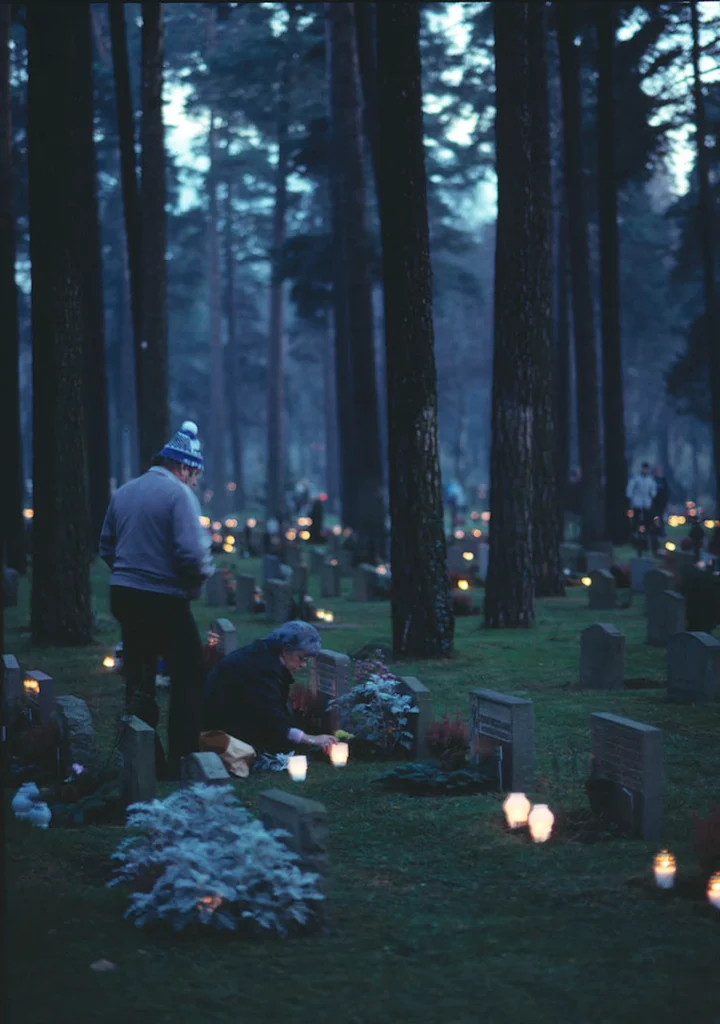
x=184 y=447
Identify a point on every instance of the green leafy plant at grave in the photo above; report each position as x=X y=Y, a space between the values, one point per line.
x=448 y=742
x=378 y=715
x=428 y=779
x=202 y=859
x=707 y=842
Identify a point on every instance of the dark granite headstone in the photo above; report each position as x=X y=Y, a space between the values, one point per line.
x=215 y=591
x=602 y=592
x=503 y=727
x=331 y=677
x=206 y=768
x=278 y=601
x=305 y=824
x=639 y=568
x=12 y=678
x=137 y=777
x=223 y=635
x=330 y=579
x=39 y=689
x=418 y=724
x=665 y=617
x=627 y=757
x=271 y=568
x=693 y=668
x=602 y=658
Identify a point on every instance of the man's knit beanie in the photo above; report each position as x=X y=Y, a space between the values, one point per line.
x=184 y=447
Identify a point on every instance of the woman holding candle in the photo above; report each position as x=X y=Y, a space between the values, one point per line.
x=248 y=692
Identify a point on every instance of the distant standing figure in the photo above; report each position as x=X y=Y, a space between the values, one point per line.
x=302 y=496
x=659 y=507
x=159 y=555
x=641 y=492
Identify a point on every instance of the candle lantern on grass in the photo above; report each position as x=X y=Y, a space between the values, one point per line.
x=540 y=823
x=297 y=767
x=339 y=754
x=664 y=868
x=713 y=890
x=517 y=808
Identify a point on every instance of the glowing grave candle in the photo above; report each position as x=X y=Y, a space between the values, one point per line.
x=713 y=891
x=297 y=767
x=664 y=867
x=339 y=754
x=517 y=808
x=540 y=823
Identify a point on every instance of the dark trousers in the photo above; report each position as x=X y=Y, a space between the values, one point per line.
x=157 y=625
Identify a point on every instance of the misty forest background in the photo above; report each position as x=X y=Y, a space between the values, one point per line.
x=237 y=265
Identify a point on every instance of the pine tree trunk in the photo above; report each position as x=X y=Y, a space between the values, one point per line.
x=332 y=484
x=128 y=177
x=354 y=255
x=232 y=362
x=422 y=618
x=586 y=363
x=563 y=383
x=510 y=585
x=612 y=376
x=366 y=34
x=547 y=520
x=276 y=415
x=61 y=611
x=12 y=532
x=96 y=408
x=153 y=404
x=218 y=384
x=707 y=242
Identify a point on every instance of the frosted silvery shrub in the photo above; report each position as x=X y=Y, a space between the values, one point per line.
x=375 y=711
x=212 y=863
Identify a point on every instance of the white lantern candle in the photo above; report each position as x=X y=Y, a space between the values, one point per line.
x=297 y=767
x=540 y=823
x=339 y=754
x=517 y=808
x=713 y=891
x=664 y=867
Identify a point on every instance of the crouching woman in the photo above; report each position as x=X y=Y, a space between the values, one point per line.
x=248 y=692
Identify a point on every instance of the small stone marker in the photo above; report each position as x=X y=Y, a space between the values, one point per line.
x=693 y=666
x=602 y=592
x=656 y=581
x=245 y=594
x=504 y=726
x=571 y=556
x=639 y=568
x=215 y=591
x=271 y=568
x=12 y=679
x=11 y=588
x=628 y=756
x=77 y=744
x=137 y=746
x=205 y=767
x=300 y=579
x=602 y=658
x=44 y=697
x=330 y=579
x=226 y=635
x=363 y=582
x=304 y=821
x=597 y=560
x=278 y=601
x=666 y=616
x=418 y=724
x=331 y=677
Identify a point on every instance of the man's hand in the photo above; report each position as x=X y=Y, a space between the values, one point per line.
x=324 y=742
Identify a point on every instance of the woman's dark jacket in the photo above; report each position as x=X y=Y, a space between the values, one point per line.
x=247 y=696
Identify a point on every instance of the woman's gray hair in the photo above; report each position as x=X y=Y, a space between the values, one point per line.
x=297 y=636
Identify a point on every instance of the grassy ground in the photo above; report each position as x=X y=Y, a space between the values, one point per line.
x=438 y=915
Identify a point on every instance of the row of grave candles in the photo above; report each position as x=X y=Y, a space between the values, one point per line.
x=665 y=870
x=519 y=812
x=297 y=765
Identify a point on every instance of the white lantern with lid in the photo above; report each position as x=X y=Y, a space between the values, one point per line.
x=540 y=823
x=517 y=808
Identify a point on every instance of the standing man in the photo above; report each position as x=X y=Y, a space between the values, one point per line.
x=640 y=493
x=159 y=556
x=659 y=507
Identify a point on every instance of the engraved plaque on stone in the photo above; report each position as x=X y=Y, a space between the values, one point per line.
x=626 y=757
x=502 y=727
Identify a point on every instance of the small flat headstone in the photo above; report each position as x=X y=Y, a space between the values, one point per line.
x=639 y=568
x=666 y=616
x=627 y=755
x=12 y=678
x=205 y=767
x=330 y=579
x=502 y=727
x=278 y=601
x=271 y=568
x=11 y=588
x=79 y=743
x=331 y=677
x=137 y=777
x=245 y=594
x=363 y=582
x=693 y=668
x=215 y=591
x=571 y=557
x=597 y=560
x=420 y=723
x=224 y=634
x=602 y=592
x=602 y=658
x=305 y=824
x=43 y=697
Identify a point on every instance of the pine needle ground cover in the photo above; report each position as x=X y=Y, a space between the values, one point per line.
x=438 y=915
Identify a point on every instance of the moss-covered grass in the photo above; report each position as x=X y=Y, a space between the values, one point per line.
x=438 y=915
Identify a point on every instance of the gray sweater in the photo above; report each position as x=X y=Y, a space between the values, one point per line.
x=152 y=538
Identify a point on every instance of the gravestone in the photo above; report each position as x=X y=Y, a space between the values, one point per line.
x=225 y=636
x=602 y=658
x=418 y=724
x=627 y=757
x=483 y=559
x=294 y=555
x=300 y=579
x=12 y=679
x=571 y=557
x=363 y=583
x=597 y=560
x=330 y=579
x=639 y=568
x=604 y=546
x=271 y=568
x=665 y=617
x=305 y=824
x=317 y=561
x=11 y=588
x=245 y=594
x=206 y=768
x=77 y=733
x=278 y=601
x=42 y=696
x=602 y=592
x=684 y=565
x=137 y=776
x=656 y=581
x=215 y=591
x=693 y=668
x=503 y=727
x=331 y=677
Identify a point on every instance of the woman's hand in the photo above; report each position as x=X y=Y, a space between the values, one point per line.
x=324 y=742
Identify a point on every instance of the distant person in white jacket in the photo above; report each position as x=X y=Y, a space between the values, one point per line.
x=159 y=556
x=640 y=493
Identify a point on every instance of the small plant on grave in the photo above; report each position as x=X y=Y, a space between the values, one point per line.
x=427 y=779
x=707 y=842
x=378 y=715
x=448 y=742
x=309 y=710
x=203 y=860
